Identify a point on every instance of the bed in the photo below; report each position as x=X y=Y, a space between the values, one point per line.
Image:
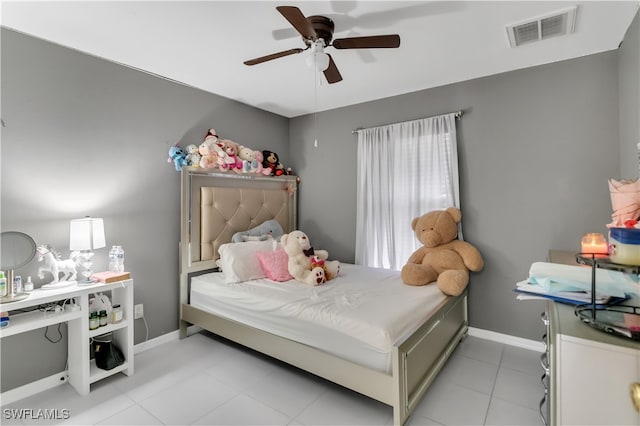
x=338 y=334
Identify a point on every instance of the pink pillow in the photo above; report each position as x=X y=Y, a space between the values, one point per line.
x=275 y=264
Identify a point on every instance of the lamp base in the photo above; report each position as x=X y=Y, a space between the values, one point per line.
x=84 y=283
x=86 y=263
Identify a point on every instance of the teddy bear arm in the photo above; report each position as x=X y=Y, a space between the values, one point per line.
x=298 y=262
x=470 y=255
x=296 y=270
x=322 y=254
x=417 y=256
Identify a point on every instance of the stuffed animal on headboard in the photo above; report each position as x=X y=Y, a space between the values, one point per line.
x=271 y=162
x=267 y=229
x=207 y=150
x=228 y=156
x=251 y=160
x=208 y=155
x=178 y=156
x=193 y=156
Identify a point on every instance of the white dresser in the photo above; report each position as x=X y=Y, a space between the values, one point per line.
x=588 y=373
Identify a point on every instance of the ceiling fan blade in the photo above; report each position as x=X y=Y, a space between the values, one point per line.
x=370 y=42
x=273 y=56
x=298 y=20
x=331 y=73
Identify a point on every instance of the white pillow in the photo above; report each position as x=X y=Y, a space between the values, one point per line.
x=239 y=261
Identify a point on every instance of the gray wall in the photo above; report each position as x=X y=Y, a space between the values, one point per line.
x=629 y=91
x=536 y=149
x=84 y=136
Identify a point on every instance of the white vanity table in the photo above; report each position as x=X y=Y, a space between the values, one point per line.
x=588 y=372
x=82 y=371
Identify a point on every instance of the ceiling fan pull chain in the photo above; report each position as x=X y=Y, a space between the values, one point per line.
x=315 y=108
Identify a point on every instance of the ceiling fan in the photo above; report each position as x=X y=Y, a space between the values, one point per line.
x=317 y=33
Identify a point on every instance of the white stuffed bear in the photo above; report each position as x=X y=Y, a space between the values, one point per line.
x=193 y=155
x=248 y=157
x=305 y=263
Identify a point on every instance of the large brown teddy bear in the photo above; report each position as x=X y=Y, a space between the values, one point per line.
x=443 y=258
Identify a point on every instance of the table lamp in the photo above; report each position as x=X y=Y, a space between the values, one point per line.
x=85 y=235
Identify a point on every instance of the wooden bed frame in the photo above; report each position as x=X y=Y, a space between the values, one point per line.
x=234 y=203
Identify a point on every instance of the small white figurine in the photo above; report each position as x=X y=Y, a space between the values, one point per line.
x=55 y=265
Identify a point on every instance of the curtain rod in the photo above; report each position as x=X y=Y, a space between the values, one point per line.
x=457 y=114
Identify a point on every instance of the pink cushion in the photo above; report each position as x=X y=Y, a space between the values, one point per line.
x=275 y=264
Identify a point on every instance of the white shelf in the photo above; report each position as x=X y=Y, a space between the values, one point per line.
x=108 y=328
x=21 y=323
x=97 y=374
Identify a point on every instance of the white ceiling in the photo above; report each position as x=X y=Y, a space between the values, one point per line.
x=204 y=43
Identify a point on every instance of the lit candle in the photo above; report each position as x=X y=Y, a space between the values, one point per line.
x=594 y=243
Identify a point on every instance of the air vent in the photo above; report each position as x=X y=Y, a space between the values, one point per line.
x=551 y=25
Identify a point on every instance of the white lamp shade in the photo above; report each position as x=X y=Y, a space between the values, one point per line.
x=86 y=234
x=322 y=61
x=318 y=61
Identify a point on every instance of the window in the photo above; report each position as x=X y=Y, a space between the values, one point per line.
x=404 y=170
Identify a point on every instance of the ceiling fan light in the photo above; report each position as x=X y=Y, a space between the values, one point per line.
x=318 y=61
x=322 y=61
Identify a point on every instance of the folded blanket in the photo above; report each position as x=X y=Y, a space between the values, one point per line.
x=554 y=277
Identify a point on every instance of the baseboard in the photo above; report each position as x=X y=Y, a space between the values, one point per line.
x=33 y=388
x=165 y=338
x=507 y=339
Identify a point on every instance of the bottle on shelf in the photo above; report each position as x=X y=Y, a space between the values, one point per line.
x=120 y=257
x=17 y=285
x=116 y=314
x=94 y=321
x=112 y=259
x=103 y=319
x=116 y=259
x=28 y=286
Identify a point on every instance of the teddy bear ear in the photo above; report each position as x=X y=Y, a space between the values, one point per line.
x=414 y=222
x=455 y=214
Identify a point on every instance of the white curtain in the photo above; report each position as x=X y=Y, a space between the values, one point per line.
x=404 y=170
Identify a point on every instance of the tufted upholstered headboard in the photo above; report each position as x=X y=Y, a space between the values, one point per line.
x=216 y=205
x=225 y=211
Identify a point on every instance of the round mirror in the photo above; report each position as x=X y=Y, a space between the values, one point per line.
x=16 y=250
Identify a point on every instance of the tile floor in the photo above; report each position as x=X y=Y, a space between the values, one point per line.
x=203 y=380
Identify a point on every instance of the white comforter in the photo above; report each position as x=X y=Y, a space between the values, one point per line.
x=368 y=305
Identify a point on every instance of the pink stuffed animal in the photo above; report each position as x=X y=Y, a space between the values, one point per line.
x=227 y=156
x=260 y=169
